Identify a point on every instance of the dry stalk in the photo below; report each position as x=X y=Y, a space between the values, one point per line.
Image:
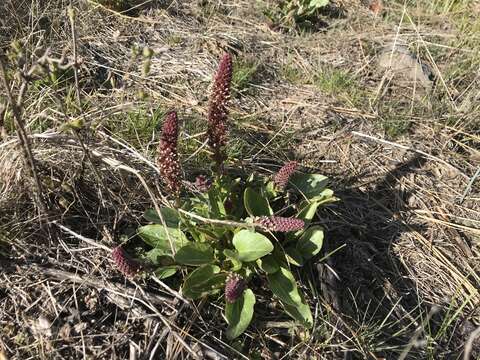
x=24 y=141
x=71 y=16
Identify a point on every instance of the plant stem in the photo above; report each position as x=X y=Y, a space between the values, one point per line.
x=218 y=222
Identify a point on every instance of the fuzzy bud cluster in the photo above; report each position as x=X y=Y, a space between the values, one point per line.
x=217 y=109
x=283 y=175
x=280 y=224
x=167 y=160
x=202 y=183
x=234 y=287
x=124 y=262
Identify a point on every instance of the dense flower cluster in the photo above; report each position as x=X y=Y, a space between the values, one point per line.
x=217 y=109
x=234 y=287
x=283 y=175
x=280 y=224
x=167 y=160
x=124 y=262
x=202 y=183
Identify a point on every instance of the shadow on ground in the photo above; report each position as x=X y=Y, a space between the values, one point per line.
x=366 y=282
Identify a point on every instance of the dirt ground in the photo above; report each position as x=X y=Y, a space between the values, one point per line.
x=381 y=98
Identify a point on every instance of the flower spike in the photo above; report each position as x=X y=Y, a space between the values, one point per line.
x=167 y=160
x=217 y=109
x=234 y=287
x=124 y=262
x=280 y=224
x=283 y=175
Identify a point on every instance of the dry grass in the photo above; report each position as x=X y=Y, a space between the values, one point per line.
x=405 y=280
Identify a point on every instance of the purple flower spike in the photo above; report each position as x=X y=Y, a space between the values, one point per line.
x=217 y=109
x=283 y=175
x=167 y=160
x=124 y=262
x=280 y=224
x=234 y=287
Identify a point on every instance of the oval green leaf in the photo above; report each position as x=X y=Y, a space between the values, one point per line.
x=255 y=204
x=169 y=215
x=203 y=281
x=158 y=257
x=311 y=242
x=194 y=254
x=282 y=283
x=301 y=313
x=268 y=264
x=294 y=257
x=166 y=271
x=309 y=185
x=239 y=314
x=308 y=209
x=251 y=245
x=158 y=236
x=325 y=197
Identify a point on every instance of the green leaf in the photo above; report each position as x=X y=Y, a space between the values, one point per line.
x=255 y=204
x=231 y=254
x=284 y=286
x=325 y=197
x=203 y=281
x=193 y=230
x=233 y=257
x=308 y=209
x=239 y=314
x=158 y=257
x=294 y=257
x=301 y=313
x=310 y=243
x=194 y=254
x=270 y=190
x=156 y=236
x=170 y=216
x=251 y=245
x=199 y=205
x=309 y=185
x=268 y=264
x=216 y=202
x=166 y=271
x=209 y=233
x=282 y=283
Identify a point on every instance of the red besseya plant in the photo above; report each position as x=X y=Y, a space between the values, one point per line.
x=167 y=160
x=280 y=224
x=216 y=238
x=217 y=109
x=283 y=175
x=125 y=264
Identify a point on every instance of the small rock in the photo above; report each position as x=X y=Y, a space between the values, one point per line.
x=398 y=59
